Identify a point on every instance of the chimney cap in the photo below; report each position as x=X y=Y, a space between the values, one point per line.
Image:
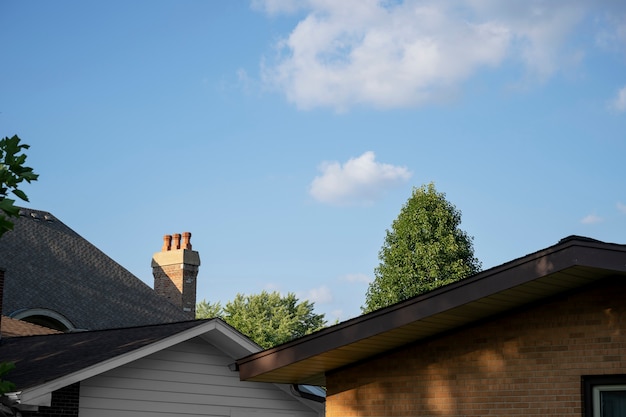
x=173 y=242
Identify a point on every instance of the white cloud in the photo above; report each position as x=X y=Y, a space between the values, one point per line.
x=611 y=34
x=360 y=180
x=320 y=295
x=357 y=278
x=404 y=53
x=245 y=82
x=591 y=219
x=619 y=102
x=275 y=7
x=621 y=207
x=272 y=287
x=336 y=315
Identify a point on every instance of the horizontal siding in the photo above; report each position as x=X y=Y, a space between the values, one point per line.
x=190 y=379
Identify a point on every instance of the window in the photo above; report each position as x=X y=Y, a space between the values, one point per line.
x=44 y=317
x=605 y=395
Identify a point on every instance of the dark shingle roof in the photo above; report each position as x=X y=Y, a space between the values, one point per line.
x=40 y=359
x=48 y=265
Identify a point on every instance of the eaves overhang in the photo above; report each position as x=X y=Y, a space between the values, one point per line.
x=572 y=263
x=40 y=394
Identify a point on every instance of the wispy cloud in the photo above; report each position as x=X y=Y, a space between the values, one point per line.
x=275 y=7
x=357 y=278
x=619 y=102
x=360 y=180
x=405 y=53
x=244 y=80
x=591 y=219
x=621 y=207
x=319 y=295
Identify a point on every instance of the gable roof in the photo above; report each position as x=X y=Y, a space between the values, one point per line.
x=572 y=263
x=49 y=362
x=65 y=273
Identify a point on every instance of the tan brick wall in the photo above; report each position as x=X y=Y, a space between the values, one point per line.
x=177 y=283
x=168 y=282
x=526 y=363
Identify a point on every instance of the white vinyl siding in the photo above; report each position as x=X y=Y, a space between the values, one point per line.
x=189 y=379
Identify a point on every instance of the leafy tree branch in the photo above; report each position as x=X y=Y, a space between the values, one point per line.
x=12 y=173
x=269 y=319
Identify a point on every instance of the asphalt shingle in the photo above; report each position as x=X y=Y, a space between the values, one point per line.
x=48 y=265
x=40 y=359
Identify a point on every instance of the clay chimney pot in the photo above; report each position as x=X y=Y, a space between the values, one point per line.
x=176 y=241
x=167 y=243
x=187 y=240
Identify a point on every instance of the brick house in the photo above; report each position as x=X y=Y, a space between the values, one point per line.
x=544 y=334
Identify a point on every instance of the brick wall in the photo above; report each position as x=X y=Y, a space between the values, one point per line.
x=168 y=282
x=177 y=283
x=525 y=363
x=64 y=404
x=190 y=274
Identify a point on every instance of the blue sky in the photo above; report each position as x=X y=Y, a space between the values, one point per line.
x=286 y=135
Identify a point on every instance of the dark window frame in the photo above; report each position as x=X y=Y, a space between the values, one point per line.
x=591 y=381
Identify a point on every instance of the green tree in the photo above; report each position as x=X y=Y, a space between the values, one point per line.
x=424 y=249
x=269 y=319
x=207 y=310
x=12 y=173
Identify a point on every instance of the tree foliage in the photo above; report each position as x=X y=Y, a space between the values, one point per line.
x=268 y=318
x=424 y=249
x=12 y=173
x=6 y=386
x=207 y=310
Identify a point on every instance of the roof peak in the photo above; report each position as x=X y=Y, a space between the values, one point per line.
x=578 y=237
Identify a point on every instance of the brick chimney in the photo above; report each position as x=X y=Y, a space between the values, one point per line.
x=175 y=270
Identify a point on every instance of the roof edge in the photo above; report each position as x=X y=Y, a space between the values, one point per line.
x=568 y=252
x=35 y=393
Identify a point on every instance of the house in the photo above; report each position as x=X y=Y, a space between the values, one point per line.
x=56 y=278
x=172 y=369
x=120 y=348
x=544 y=334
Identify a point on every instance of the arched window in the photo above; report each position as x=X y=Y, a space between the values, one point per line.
x=44 y=317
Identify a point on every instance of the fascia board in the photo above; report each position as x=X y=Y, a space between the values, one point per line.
x=230 y=342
